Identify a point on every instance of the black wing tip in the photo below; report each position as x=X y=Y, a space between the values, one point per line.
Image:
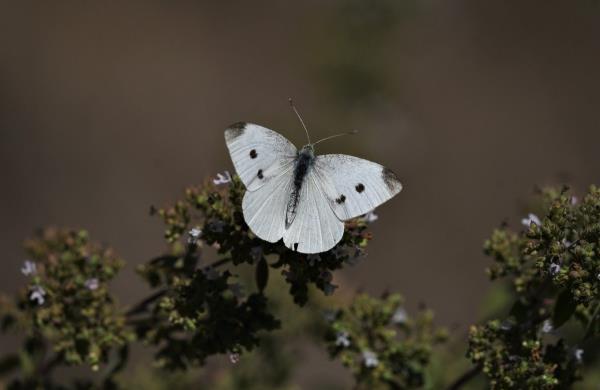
x=235 y=130
x=391 y=180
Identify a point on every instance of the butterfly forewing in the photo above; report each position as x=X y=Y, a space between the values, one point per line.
x=354 y=186
x=259 y=154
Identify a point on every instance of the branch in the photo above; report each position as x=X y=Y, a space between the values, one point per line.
x=465 y=378
x=143 y=305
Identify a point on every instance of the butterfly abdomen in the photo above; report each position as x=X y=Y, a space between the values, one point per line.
x=304 y=163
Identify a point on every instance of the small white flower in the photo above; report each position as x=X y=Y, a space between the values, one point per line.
x=370 y=359
x=371 y=217
x=566 y=243
x=506 y=325
x=234 y=357
x=574 y=200
x=598 y=276
x=313 y=258
x=547 y=326
x=92 y=284
x=256 y=253
x=329 y=289
x=329 y=315
x=237 y=290
x=211 y=273
x=193 y=235
x=554 y=269
x=29 y=268
x=531 y=218
x=342 y=339
x=399 y=316
x=37 y=294
x=222 y=178
x=578 y=355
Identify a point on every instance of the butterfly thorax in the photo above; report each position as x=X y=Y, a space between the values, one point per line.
x=304 y=162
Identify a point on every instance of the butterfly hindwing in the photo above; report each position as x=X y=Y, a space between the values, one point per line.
x=264 y=209
x=354 y=186
x=258 y=154
x=315 y=227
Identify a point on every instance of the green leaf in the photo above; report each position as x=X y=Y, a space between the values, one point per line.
x=262 y=274
x=563 y=309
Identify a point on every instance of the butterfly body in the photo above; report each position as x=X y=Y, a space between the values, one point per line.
x=303 y=164
x=299 y=196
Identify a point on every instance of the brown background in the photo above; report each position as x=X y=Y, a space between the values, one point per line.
x=109 y=107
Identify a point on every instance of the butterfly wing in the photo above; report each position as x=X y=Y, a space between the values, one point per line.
x=264 y=209
x=259 y=155
x=354 y=186
x=315 y=227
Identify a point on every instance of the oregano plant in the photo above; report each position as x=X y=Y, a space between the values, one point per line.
x=226 y=310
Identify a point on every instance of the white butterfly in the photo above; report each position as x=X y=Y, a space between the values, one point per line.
x=298 y=196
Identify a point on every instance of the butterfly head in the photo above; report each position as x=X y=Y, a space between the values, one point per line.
x=307 y=151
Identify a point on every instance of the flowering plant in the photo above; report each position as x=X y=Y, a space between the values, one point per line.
x=239 y=306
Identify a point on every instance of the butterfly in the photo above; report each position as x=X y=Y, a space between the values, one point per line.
x=299 y=196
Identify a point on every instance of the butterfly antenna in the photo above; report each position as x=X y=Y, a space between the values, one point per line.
x=300 y=118
x=336 y=135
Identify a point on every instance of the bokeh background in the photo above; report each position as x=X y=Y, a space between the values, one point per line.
x=107 y=108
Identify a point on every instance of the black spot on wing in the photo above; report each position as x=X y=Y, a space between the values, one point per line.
x=296 y=246
x=341 y=199
x=260 y=174
x=391 y=180
x=235 y=131
x=253 y=153
x=360 y=187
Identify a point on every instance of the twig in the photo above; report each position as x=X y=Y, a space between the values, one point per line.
x=143 y=305
x=464 y=378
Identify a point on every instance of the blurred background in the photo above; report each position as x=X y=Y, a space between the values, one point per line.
x=107 y=108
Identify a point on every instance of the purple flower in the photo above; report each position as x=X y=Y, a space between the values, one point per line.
x=92 y=284
x=222 y=178
x=531 y=218
x=38 y=294
x=29 y=268
x=370 y=359
x=554 y=269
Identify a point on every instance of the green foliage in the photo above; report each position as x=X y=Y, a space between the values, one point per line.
x=73 y=309
x=381 y=345
x=554 y=268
